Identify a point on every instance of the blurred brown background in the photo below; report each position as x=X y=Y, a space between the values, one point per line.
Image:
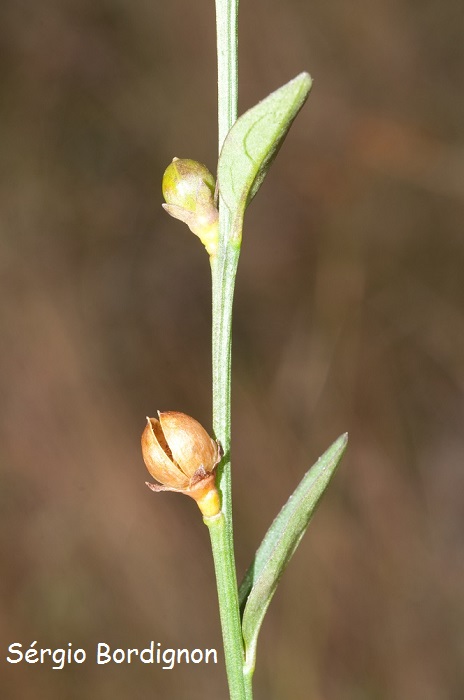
x=349 y=316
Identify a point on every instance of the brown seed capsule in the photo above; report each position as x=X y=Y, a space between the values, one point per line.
x=181 y=456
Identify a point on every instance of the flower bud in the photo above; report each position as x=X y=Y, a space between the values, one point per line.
x=181 y=456
x=188 y=188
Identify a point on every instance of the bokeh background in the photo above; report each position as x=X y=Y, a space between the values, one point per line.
x=349 y=316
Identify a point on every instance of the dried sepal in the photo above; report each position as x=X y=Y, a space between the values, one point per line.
x=191 y=446
x=157 y=457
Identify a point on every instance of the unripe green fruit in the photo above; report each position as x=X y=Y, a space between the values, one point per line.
x=188 y=188
x=188 y=184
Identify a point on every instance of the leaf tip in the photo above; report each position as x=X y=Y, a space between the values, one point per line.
x=305 y=77
x=341 y=443
x=304 y=80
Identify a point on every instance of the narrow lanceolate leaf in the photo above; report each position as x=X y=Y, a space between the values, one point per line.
x=252 y=144
x=279 y=544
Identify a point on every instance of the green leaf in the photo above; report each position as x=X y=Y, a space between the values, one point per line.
x=252 y=144
x=279 y=544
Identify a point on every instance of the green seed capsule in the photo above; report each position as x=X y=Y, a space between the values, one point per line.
x=188 y=184
x=188 y=188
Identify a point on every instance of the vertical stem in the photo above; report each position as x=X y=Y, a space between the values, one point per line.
x=223 y=271
x=227 y=59
x=248 y=681
x=224 y=264
x=227 y=587
x=221 y=531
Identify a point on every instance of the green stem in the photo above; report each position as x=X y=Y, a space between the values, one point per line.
x=229 y=613
x=227 y=59
x=221 y=531
x=248 y=681
x=223 y=271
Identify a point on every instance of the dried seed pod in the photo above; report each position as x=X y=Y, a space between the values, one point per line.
x=188 y=188
x=181 y=456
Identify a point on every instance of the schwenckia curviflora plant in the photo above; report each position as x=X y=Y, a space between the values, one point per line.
x=177 y=450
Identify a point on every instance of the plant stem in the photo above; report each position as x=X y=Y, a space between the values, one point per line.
x=227 y=59
x=227 y=588
x=248 y=682
x=223 y=271
x=221 y=531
